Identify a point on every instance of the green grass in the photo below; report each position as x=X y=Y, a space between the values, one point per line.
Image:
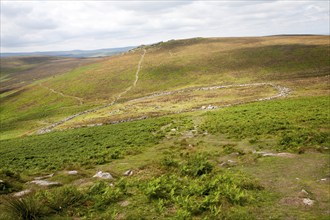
x=296 y=124
x=82 y=147
x=27 y=110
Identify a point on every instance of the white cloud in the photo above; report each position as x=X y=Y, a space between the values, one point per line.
x=65 y=25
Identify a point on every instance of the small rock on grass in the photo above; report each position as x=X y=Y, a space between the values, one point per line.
x=303 y=193
x=283 y=154
x=308 y=202
x=73 y=172
x=128 y=173
x=22 y=193
x=103 y=175
x=45 y=183
x=124 y=203
x=44 y=177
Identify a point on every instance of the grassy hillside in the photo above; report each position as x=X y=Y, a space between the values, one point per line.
x=298 y=62
x=19 y=71
x=216 y=128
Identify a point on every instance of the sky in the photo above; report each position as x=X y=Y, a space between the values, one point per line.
x=28 y=26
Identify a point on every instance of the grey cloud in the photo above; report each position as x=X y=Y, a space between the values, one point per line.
x=14 y=10
x=69 y=25
x=152 y=6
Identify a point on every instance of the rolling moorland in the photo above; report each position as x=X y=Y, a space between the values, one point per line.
x=203 y=128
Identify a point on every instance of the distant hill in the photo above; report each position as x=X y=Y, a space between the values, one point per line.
x=73 y=53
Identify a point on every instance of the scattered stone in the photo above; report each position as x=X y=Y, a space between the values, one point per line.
x=45 y=183
x=324 y=179
x=210 y=107
x=173 y=129
x=124 y=203
x=203 y=107
x=128 y=173
x=188 y=134
x=303 y=193
x=308 y=202
x=73 y=172
x=111 y=184
x=1 y=181
x=103 y=175
x=288 y=155
x=228 y=163
x=266 y=154
x=22 y=193
x=44 y=177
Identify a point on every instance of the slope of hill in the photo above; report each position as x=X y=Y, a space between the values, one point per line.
x=295 y=62
x=17 y=72
x=217 y=128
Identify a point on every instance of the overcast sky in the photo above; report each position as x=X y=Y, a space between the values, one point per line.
x=66 y=25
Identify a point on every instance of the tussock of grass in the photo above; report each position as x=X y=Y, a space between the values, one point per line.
x=23 y=208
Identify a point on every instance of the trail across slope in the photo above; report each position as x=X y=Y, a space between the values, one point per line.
x=52 y=126
x=62 y=94
x=136 y=78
